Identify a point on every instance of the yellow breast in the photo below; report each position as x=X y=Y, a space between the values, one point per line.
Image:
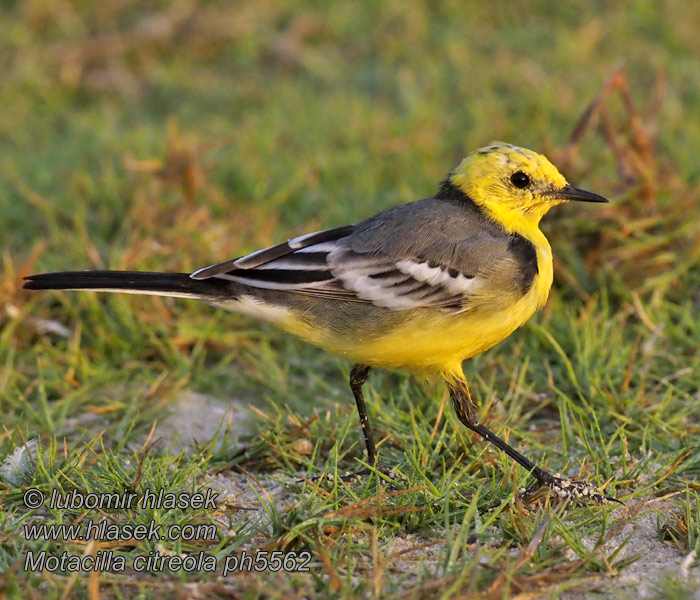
x=433 y=341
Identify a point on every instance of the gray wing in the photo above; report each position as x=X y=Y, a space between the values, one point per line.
x=263 y=257
x=423 y=254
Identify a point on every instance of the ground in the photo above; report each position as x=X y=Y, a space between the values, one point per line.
x=171 y=135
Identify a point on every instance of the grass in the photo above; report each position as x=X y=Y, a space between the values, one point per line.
x=168 y=136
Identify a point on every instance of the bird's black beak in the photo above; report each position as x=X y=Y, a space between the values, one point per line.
x=569 y=192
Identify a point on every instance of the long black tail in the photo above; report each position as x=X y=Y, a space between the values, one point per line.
x=133 y=282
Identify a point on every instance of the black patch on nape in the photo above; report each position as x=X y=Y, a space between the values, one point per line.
x=450 y=192
x=525 y=254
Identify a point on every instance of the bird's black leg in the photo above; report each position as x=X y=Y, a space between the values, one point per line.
x=464 y=407
x=358 y=376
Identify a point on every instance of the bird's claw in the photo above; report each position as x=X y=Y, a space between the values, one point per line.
x=391 y=474
x=566 y=489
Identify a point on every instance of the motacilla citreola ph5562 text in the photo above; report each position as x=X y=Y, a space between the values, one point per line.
x=421 y=287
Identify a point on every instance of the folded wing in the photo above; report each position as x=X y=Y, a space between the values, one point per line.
x=322 y=265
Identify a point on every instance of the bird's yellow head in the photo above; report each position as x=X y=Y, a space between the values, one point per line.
x=514 y=184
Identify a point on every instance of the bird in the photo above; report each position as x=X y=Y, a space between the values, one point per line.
x=421 y=286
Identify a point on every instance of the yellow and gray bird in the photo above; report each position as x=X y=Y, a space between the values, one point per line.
x=421 y=287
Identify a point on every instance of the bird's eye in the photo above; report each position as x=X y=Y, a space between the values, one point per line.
x=520 y=180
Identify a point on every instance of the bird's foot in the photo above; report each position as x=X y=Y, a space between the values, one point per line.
x=566 y=489
x=391 y=474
